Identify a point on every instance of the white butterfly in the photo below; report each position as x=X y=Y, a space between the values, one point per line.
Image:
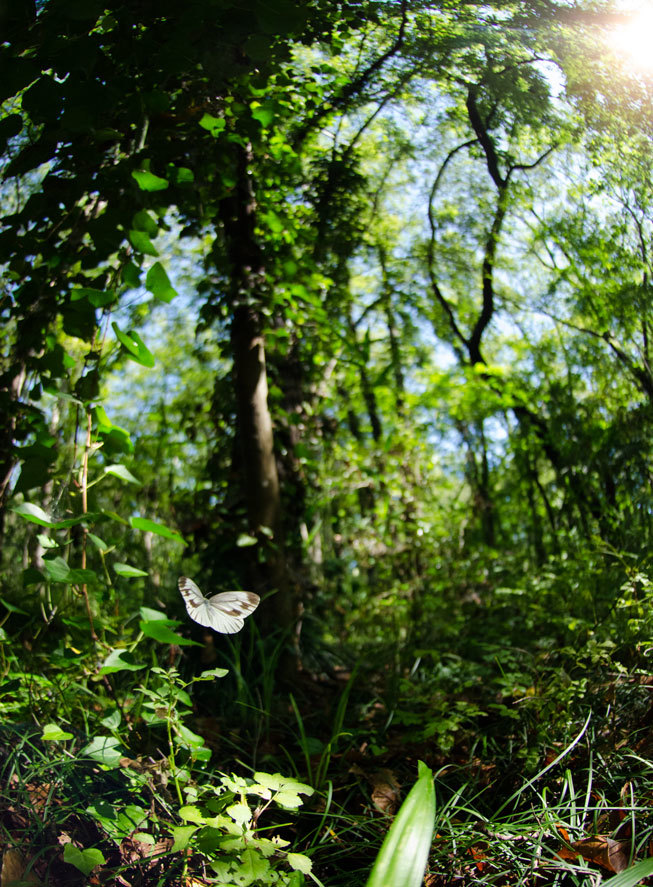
x=223 y=612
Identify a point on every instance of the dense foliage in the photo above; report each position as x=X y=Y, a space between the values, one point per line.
x=347 y=303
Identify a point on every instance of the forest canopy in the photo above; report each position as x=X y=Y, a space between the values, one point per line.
x=345 y=305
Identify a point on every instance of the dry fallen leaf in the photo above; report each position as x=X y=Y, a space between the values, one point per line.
x=13 y=870
x=606 y=852
x=385 y=791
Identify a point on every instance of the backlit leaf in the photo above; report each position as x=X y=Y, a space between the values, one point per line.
x=150 y=526
x=147 y=181
x=158 y=283
x=135 y=346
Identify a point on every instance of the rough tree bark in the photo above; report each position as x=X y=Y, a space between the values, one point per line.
x=248 y=297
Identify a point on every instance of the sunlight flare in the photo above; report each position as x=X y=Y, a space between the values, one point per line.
x=632 y=40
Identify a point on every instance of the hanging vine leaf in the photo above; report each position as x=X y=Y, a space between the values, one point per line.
x=134 y=346
x=147 y=181
x=158 y=283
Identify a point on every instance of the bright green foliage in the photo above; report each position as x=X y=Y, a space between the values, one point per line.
x=403 y=856
x=348 y=303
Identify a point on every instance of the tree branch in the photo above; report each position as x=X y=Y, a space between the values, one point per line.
x=354 y=86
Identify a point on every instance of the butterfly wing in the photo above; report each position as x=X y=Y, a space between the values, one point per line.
x=223 y=612
x=229 y=609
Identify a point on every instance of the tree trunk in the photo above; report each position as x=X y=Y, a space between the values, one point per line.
x=255 y=430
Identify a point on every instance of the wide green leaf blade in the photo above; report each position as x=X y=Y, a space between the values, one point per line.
x=147 y=181
x=404 y=853
x=135 y=347
x=127 y=571
x=158 y=283
x=150 y=526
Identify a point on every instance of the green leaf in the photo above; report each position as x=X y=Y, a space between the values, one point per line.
x=118 y=822
x=253 y=867
x=149 y=526
x=9 y=687
x=240 y=813
x=276 y=782
x=633 y=875
x=120 y=660
x=128 y=572
x=131 y=275
x=402 y=859
x=181 y=835
x=32 y=576
x=142 y=243
x=263 y=113
x=84 y=860
x=158 y=283
x=188 y=738
x=97 y=298
x=160 y=632
x=121 y=472
x=135 y=346
x=52 y=732
x=299 y=862
x=105 y=750
x=214 y=125
x=12 y=607
x=100 y=544
x=57 y=570
x=149 y=615
x=212 y=673
x=244 y=541
x=182 y=175
x=190 y=813
x=147 y=181
x=288 y=799
x=144 y=221
x=112 y=721
x=34 y=514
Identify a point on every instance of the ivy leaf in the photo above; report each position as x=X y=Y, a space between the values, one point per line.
x=182 y=175
x=263 y=113
x=127 y=571
x=147 y=181
x=12 y=607
x=144 y=221
x=214 y=125
x=158 y=283
x=97 y=298
x=190 y=739
x=53 y=732
x=123 y=473
x=105 y=750
x=142 y=243
x=84 y=860
x=36 y=515
x=135 y=346
x=131 y=275
x=100 y=544
x=150 y=526
x=150 y=615
x=160 y=632
x=33 y=514
x=58 y=570
x=120 y=660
